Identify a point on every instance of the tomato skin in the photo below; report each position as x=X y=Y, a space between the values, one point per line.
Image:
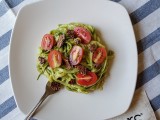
x=84 y=34
x=99 y=55
x=54 y=59
x=76 y=55
x=86 y=80
x=47 y=42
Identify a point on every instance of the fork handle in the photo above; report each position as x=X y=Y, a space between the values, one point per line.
x=32 y=112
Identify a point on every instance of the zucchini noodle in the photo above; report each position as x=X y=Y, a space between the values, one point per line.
x=63 y=75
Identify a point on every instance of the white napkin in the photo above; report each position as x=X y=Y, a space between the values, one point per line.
x=140 y=108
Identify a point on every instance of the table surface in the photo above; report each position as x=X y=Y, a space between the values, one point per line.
x=145 y=17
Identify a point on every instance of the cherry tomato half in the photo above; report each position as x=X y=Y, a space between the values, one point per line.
x=54 y=59
x=86 y=80
x=83 y=34
x=76 y=55
x=47 y=42
x=99 y=55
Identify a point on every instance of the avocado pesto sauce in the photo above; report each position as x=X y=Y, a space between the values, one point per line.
x=74 y=56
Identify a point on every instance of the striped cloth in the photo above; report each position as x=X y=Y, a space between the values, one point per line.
x=145 y=16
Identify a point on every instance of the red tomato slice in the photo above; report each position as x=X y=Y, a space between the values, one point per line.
x=84 y=34
x=99 y=55
x=86 y=80
x=76 y=55
x=54 y=59
x=47 y=42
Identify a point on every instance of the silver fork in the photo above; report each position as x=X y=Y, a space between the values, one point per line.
x=51 y=88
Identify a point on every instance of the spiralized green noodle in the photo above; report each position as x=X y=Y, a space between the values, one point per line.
x=62 y=74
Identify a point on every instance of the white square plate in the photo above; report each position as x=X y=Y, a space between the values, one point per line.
x=113 y=22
